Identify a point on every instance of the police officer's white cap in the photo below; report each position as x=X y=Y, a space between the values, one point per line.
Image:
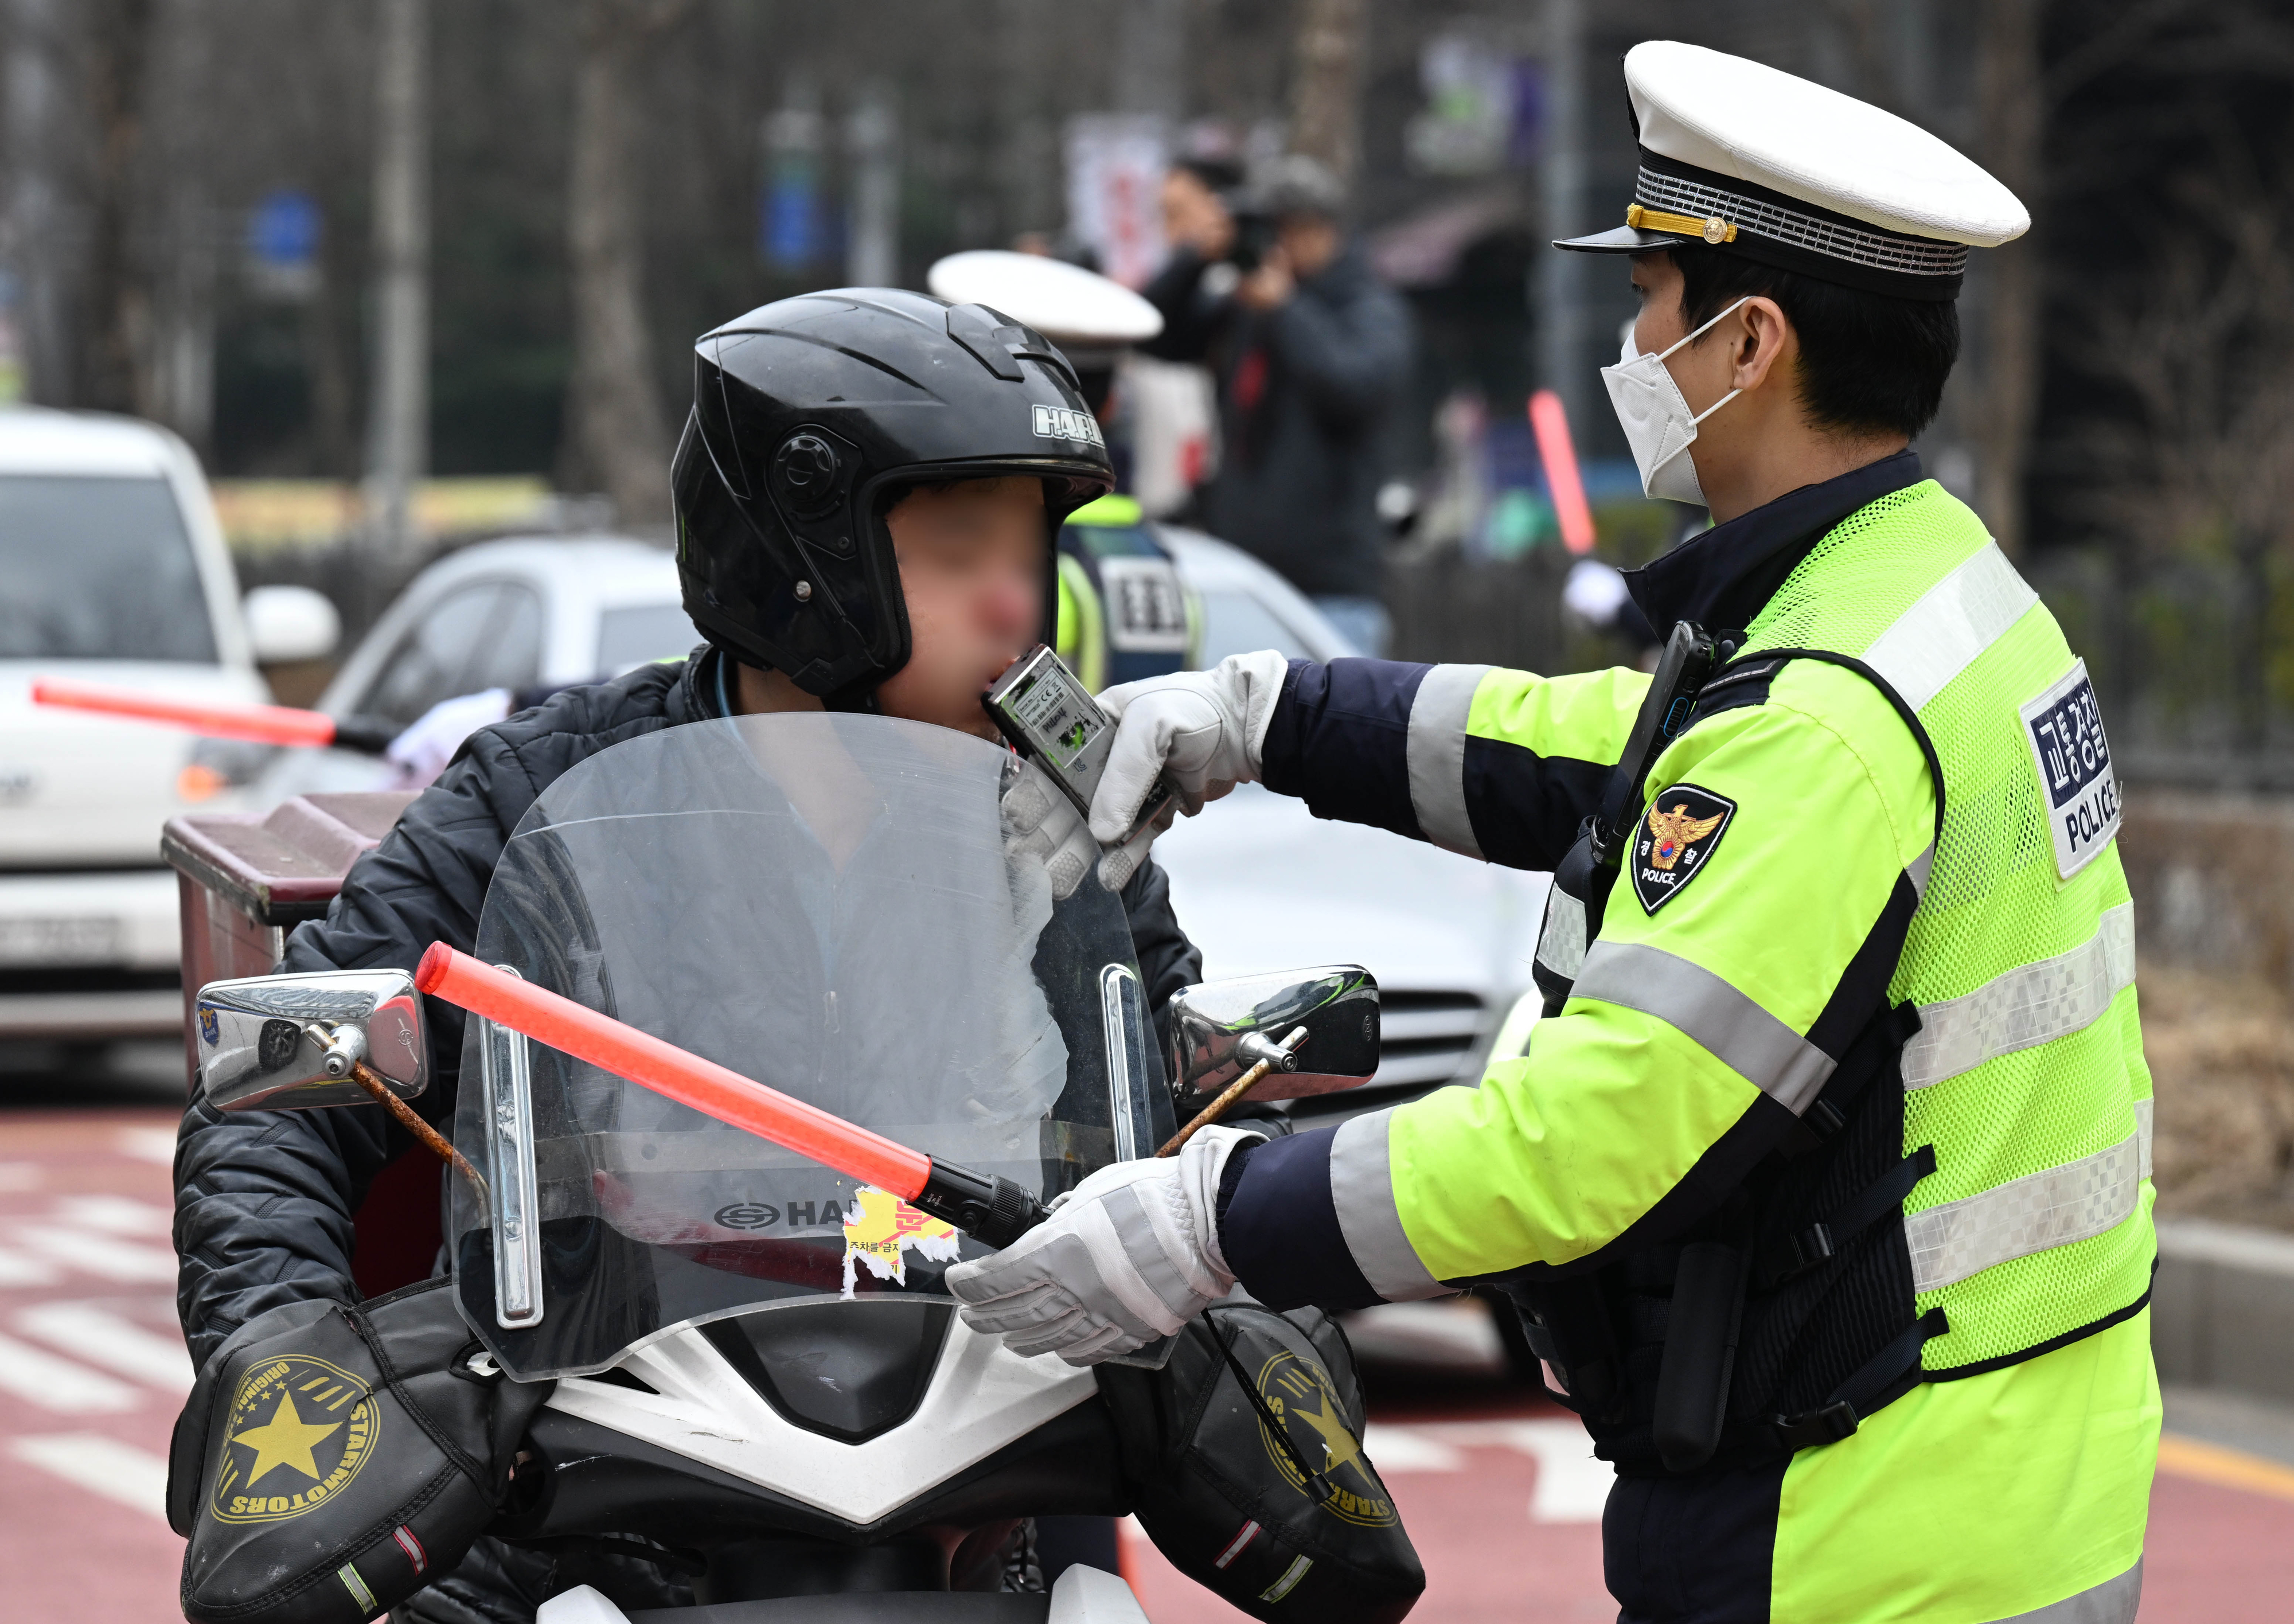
x=1740 y=157
x=1075 y=308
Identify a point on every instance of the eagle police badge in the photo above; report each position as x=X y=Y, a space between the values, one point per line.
x=1682 y=826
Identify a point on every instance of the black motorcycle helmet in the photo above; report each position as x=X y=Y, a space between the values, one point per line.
x=811 y=418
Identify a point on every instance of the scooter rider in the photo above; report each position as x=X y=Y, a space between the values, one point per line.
x=1824 y=1182
x=867 y=498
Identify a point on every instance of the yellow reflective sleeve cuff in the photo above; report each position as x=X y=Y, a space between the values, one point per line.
x=1587 y=716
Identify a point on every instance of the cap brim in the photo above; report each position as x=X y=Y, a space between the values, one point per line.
x=1626 y=240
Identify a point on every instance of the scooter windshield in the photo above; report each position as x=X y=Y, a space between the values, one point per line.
x=823 y=903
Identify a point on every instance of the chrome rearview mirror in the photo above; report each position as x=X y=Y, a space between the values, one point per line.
x=290 y=1043
x=1219 y=1029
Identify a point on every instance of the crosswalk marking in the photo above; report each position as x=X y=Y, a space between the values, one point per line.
x=117 y=1215
x=101 y=1336
x=149 y=1145
x=101 y=1254
x=58 y=1383
x=1408 y=1449
x=103 y=1465
x=23 y=1269
x=1571 y=1485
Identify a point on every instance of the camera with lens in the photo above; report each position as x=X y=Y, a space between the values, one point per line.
x=1256 y=228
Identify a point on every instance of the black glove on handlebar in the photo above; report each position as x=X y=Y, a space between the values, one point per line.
x=331 y=1461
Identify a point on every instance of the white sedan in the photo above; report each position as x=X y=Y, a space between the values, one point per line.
x=535 y=612
x=1260 y=883
x=112 y=574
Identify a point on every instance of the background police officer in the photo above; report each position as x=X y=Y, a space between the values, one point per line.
x=1125 y=611
x=1825 y=1185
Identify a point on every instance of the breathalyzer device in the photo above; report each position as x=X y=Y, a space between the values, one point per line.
x=1052 y=720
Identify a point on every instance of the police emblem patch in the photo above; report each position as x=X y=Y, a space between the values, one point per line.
x=1675 y=841
x=2079 y=791
x=210 y=1027
x=299 y=1429
x=1301 y=1396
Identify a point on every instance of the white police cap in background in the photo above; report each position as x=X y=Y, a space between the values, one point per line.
x=1077 y=309
x=1738 y=157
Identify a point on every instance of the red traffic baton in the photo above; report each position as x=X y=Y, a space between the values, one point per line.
x=256 y=723
x=994 y=1209
x=1550 y=424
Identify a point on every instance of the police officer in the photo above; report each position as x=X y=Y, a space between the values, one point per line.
x=1824 y=1184
x=836 y=552
x=1125 y=611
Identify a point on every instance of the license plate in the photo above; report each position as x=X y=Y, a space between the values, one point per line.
x=59 y=941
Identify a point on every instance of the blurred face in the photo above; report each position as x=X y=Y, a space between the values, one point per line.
x=1309 y=242
x=1194 y=216
x=972 y=560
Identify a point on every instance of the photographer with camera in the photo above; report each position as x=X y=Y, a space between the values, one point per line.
x=1307 y=347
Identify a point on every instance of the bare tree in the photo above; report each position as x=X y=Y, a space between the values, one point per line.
x=398 y=423
x=2010 y=124
x=1331 y=47
x=2204 y=464
x=117 y=298
x=614 y=408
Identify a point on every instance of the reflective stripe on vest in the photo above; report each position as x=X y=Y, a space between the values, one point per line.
x=1928 y=647
x=2057 y=1207
x=1561 y=943
x=2025 y=1007
x=1953 y=622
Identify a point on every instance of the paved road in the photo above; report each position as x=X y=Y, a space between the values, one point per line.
x=1496 y=1489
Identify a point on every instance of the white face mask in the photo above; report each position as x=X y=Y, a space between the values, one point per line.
x=1657 y=422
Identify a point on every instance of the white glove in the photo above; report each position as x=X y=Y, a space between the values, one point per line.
x=1129 y=1255
x=1202 y=729
x=1042 y=824
x=422 y=751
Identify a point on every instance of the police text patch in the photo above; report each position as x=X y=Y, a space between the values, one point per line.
x=1146 y=606
x=2078 y=791
x=1675 y=841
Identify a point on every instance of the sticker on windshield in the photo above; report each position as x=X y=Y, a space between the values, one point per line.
x=2077 y=790
x=879 y=1230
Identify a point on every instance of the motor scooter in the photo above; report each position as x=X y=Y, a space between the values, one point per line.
x=754 y=1366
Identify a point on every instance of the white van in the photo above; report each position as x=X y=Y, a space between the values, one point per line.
x=112 y=571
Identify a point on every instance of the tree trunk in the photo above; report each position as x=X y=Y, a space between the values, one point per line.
x=619 y=429
x=398 y=425
x=1326 y=86
x=119 y=301
x=2011 y=114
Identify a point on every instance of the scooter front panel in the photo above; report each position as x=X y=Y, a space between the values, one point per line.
x=981 y=1398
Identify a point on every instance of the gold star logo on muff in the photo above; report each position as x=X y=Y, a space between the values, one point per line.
x=299 y=1429
x=1676 y=840
x=1300 y=1397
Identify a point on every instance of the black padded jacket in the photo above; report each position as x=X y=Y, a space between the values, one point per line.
x=264 y=1199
